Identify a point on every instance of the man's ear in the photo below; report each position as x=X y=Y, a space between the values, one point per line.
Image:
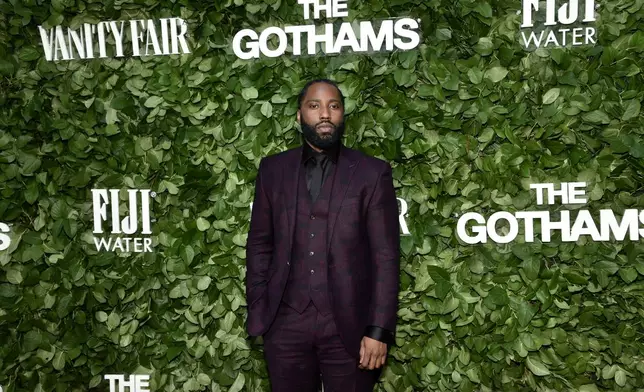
x=298 y=116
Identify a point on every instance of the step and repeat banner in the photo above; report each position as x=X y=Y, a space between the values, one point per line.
x=131 y=133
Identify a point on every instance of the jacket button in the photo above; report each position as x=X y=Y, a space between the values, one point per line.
x=312 y=272
x=312 y=216
x=311 y=253
x=288 y=263
x=312 y=235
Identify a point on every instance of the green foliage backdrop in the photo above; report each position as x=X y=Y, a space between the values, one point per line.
x=467 y=120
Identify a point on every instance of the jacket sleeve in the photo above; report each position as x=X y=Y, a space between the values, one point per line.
x=384 y=242
x=259 y=251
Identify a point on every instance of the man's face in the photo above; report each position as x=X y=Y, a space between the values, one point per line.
x=321 y=115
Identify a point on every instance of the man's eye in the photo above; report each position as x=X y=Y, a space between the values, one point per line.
x=313 y=106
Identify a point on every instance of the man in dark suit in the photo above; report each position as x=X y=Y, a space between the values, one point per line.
x=323 y=256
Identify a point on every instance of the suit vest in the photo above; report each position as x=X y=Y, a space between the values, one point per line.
x=307 y=280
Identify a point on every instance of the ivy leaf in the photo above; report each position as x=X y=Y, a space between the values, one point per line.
x=536 y=366
x=49 y=301
x=14 y=276
x=267 y=109
x=204 y=283
x=250 y=120
x=101 y=316
x=113 y=321
x=498 y=296
x=239 y=383
x=620 y=378
x=632 y=109
x=597 y=117
x=29 y=53
x=550 y=96
x=484 y=9
x=30 y=164
x=32 y=340
x=608 y=266
x=484 y=47
x=59 y=361
x=526 y=313
x=441 y=277
x=475 y=75
x=202 y=224
x=187 y=254
x=153 y=102
x=496 y=74
x=249 y=93
x=31 y=193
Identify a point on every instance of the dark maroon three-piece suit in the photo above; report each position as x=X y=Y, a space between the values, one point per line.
x=321 y=272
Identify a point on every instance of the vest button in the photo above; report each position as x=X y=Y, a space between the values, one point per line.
x=312 y=235
x=311 y=253
x=312 y=216
x=312 y=272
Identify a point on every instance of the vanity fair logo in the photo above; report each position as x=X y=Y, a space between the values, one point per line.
x=562 y=26
x=129 y=225
x=392 y=33
x=149 y=37
x=402 y=215
x=570 y=193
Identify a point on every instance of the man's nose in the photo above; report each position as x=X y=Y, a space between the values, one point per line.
x=325 y=113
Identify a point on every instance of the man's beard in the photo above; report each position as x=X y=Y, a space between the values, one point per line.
x=326 y=141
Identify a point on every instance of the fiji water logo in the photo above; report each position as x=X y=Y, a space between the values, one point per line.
x=124 y=234
x=571 y=24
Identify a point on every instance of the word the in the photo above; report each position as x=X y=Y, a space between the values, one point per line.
x=566 y=15
x=128 y=225
x=146 y=37
x=391 y=33
x=570 y=231
x=5 y=241
x=136 y=382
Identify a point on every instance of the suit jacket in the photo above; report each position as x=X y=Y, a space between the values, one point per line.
x=363 y=243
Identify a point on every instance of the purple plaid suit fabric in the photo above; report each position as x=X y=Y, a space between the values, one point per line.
x=362 y=244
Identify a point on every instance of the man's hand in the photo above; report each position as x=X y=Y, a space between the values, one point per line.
x=372 y=353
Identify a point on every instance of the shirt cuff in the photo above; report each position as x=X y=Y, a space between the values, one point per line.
x=380 y=334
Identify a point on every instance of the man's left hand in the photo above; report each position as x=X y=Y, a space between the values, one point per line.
x=372 y=353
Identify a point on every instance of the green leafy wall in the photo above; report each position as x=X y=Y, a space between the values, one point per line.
x=462 y=120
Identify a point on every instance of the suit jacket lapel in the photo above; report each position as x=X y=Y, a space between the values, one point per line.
x=290 y=184
x=346 y=167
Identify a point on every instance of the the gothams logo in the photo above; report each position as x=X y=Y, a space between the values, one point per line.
x=135 y=382
x=364 y=36
x=570 y=193
x=133 y=37
x=568 y=25
x=126 y=236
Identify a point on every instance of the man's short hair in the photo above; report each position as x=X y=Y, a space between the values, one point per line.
x=305 y=89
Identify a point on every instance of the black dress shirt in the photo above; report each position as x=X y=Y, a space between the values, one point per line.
x=331 y=155
x=328 y=164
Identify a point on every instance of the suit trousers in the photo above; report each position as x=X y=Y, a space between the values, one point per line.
x=300 y=347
